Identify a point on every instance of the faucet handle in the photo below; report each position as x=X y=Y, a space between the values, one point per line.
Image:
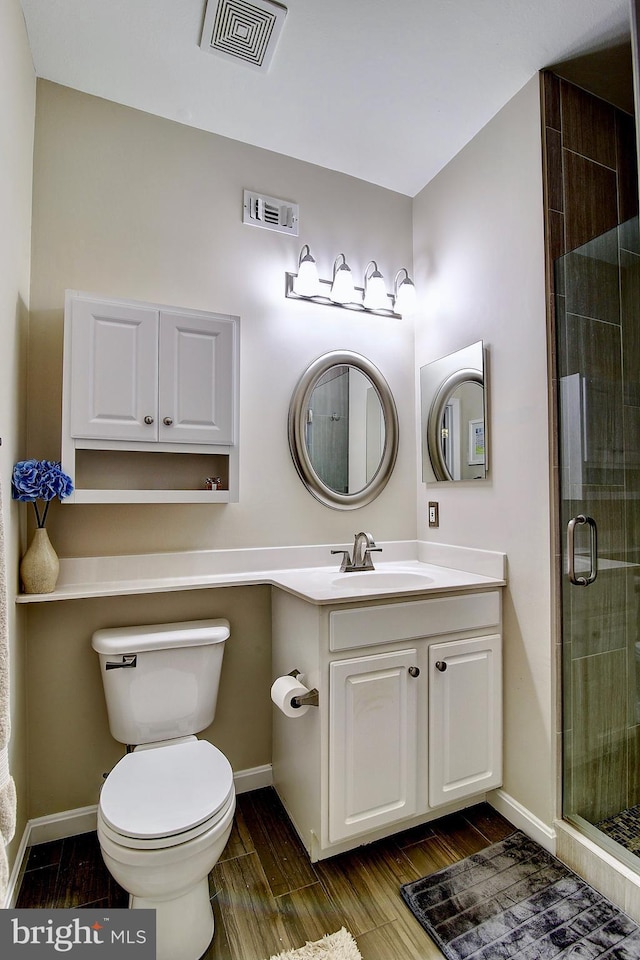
x=346 y=559
x=367 y=561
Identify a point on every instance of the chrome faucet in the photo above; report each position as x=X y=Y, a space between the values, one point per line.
x=363 y=546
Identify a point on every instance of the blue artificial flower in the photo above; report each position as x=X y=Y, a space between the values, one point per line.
x=53 y=482
x=25 y=483
x=35 y=480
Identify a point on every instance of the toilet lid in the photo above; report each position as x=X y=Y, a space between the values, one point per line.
x=166 y=790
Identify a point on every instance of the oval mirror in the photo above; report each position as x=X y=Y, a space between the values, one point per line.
x=453 y=416
x=343 y=430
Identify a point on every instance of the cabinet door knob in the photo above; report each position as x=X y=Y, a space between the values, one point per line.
x=167 y=421
x=441 y=665
x=414 y=671
x=148 y=420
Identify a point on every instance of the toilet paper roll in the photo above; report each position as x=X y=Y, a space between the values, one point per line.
x=282 y=692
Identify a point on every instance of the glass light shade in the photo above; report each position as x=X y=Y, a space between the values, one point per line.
x=342 y=290
x=307 y=283
x=375 y=292
x=405 y=302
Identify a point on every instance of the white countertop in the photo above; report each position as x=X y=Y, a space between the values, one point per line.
x=323 y=585
x=309 y=572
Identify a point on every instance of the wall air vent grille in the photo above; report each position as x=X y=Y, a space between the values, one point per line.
x=272 y=214
x=246 y=30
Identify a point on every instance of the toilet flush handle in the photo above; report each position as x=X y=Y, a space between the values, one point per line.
x=128 y=660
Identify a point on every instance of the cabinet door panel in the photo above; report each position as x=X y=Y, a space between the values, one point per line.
x=372 y=743
x=196 y=379
x=114 y=371
x=465 y=718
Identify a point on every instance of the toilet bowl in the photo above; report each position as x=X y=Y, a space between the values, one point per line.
x=166 y=809
x=164 y=817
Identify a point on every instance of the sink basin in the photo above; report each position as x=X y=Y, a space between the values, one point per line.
x=381 y=580
x=394 y=578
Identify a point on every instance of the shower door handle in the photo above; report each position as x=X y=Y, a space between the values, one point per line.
x=593 y=550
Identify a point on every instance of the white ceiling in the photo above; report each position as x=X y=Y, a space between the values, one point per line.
x=385 y=91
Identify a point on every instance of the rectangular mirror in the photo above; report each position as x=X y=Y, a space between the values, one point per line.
x=453 y=422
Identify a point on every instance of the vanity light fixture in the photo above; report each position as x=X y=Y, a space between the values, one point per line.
x=404 y=294
x=375 y=292
x=342 y=289
x=307 y=283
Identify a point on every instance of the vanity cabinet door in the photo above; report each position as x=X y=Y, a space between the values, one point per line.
x=195 y=379
x=465 y=718
x=372 y=742
x=114 y=371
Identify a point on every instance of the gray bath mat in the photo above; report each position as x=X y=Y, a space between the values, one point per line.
x=514 y=900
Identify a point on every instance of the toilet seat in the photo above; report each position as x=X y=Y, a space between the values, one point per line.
x=166 y=795
x=164 y=844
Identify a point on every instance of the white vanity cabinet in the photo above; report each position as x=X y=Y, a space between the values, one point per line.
x=142 y=378
x=465 y=717
x=373 y=742
x=409 y=723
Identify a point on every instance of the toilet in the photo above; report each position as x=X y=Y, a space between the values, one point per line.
x=166 y=809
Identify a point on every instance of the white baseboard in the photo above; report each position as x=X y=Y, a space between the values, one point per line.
x=70 y=823
x=253 y=779
x=15 y=877
x=57 y=826
x=523 y=819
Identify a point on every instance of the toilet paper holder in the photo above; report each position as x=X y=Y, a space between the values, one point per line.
x=310 y=699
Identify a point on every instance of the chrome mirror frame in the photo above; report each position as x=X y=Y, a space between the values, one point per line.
x=439 y=380
x=297 y=428
x=447 y=388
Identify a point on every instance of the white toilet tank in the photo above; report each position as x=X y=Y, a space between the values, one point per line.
x=161 y=680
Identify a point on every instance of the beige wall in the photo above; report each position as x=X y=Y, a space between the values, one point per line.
x=70 y=745
x=479 y=260
x=130 y=205
x=134 y=206
x=17 y=106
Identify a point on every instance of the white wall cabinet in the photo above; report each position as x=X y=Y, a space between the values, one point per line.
x=147 y=379
x=409 y=728
x=114 y=370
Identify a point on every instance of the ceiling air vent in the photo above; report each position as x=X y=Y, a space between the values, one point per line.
x=272 y=214
x=245 y=30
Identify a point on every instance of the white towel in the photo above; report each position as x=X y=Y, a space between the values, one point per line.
x=7 y=786
x=7 y=830
x=4 y=768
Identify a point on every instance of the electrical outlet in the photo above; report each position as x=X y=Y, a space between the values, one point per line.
x=434 y=514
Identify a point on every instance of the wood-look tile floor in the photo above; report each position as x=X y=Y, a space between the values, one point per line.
x=268 y=897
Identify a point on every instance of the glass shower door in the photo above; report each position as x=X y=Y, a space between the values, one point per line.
x=598 y=357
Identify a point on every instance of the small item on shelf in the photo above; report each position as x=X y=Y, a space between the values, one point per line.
x=213 y=483
x=31 y=481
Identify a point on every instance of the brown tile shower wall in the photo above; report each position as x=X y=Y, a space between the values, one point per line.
x=591 y=186
x=590 y=172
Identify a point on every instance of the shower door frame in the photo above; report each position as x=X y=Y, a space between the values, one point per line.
x=555 y=233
